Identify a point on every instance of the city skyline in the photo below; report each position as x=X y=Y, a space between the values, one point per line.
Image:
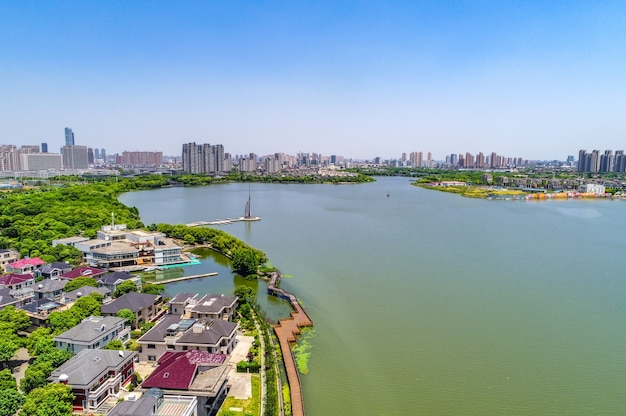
x=362 y=80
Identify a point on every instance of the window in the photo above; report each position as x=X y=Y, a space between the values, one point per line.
x=151 y=358
x=151 y=346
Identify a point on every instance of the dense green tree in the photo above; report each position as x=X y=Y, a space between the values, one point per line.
x=244 y=293
x=152 y=289
x=146 y=326
x=124 y=288
x=35 y=336
x=190 y=239
x=114 y=344
x=8 y=347
x=88 y=305
x=245 y=261
x=35 y=376
x=62 y=321
x=43 y=345
x=83 y=307
x=55 y=357
x=51 y=400
x=7 y=381
x=13 y=320
x=10 y=401
x=80 y=282
x=128 y=315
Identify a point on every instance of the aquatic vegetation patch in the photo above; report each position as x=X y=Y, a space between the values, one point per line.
x=302 y=350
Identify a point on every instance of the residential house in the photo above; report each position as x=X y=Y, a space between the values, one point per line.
x=26 y=265
x=83 y=271
x=39 y=310
x=175 y=334
x=187 y=305
x=15 y=281
x=73 y=295
x=192 y=373
x=7 y=299
x=7 y=256
x=50 y=289
x=178 y=303
x=112 y=280
x=95 y=375
x=54 y=269
x=213 y=307
x=92 y=333
x=145 y=306
x=20 y=286
x=155 y=403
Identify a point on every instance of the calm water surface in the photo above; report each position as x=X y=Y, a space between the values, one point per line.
x=430 y=303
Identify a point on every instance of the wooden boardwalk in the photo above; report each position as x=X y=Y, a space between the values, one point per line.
x=287 y=331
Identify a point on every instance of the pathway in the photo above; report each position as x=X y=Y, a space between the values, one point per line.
x=287 y=331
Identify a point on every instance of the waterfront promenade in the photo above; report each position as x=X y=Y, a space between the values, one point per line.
x=286 y=331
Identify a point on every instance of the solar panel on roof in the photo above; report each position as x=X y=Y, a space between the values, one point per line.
x=185 y=324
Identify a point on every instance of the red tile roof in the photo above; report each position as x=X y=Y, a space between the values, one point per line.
x=177 y=370
x=13 y=279
x=83 y=272
x=19 y=264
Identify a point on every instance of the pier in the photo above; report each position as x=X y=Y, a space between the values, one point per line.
x=180 y=279
x=222 y=222
x=287 y=331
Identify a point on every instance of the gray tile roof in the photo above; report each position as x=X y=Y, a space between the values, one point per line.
x=49 y=268
x=214 y=303
x=212 y=332
x=89 y=365
x=90 y=330
x=86 y=290
x=49 y=285
x=144 y=406
x=183 y=297
x=131 y=300
x=112 y=278
x=5 y=297
x=157 y=333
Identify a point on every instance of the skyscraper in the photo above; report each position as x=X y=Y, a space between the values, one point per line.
x=69 y=137
x=203 y=158
x=44 y=147
x=75 y=157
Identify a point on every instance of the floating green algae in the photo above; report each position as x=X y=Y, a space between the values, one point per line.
x=302 y=350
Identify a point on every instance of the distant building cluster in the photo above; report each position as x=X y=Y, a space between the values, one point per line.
x=466 y=161
x=605 y=162
x=139 y=158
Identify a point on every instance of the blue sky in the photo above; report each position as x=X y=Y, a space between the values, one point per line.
x=531 y=79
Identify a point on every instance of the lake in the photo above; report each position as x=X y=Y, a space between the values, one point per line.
x=430 y=303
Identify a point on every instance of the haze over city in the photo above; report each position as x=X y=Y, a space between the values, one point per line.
x=360 y=79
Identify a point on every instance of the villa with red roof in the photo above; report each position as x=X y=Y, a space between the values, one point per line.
x=83 y=272
x=193 y=373
x=16 y=281
x=26 y=265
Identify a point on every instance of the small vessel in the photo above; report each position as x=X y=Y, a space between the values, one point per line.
x=388 y=194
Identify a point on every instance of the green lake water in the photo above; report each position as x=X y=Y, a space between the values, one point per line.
x=428 y=303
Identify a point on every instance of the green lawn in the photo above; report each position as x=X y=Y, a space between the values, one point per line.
x=250 y=407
